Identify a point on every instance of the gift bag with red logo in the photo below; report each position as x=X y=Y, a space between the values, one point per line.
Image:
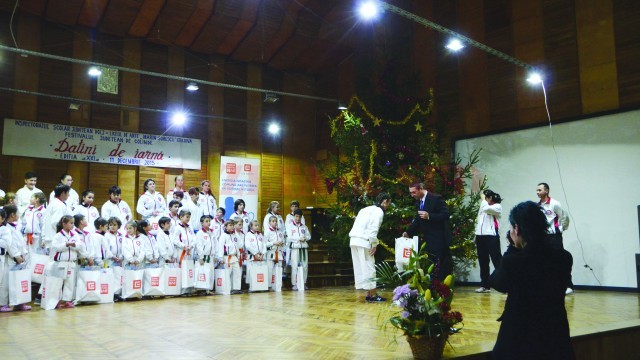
x=204 y=276
x=223 y=281
x=19 y=287
x=276 y=278
x=37 y=264
x=51 y=292
x=259 y=276
x=118 y=279
x=153 y=284
x=106 y=286
x=404 y=247
x=88 y=286
x=188 y=273
x=132 y=286
x=172 y=280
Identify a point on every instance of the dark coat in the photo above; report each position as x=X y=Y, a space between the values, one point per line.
x=534 y=321
x=435 y=230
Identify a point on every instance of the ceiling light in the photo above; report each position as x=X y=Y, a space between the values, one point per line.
x=534 y=78
x=270 y=98
x=341 y=106
x=368 y=10
x=74 y=106
x=94 y=71
x=179 y=118
x=192 y=86
x=274 y=129
x=455 y=45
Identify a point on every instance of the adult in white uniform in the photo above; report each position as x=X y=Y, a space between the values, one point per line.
x=55 y=211
x=206 y=200
x=363 y=242
x=74 y=199
x=151 y=203
x=23 y=195
x=179 y=186
x=116 y=207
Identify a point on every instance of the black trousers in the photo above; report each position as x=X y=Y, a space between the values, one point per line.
x=488 y=246
x=441 y=259
x=555 y=240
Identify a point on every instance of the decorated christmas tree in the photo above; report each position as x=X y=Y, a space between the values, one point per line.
x=377 y=154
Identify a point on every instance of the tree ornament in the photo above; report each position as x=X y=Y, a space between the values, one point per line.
x=418 y=127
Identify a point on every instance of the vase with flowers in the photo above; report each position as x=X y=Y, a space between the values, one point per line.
x=421 y=306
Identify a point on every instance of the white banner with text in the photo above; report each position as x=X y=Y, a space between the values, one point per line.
x=69 y=142
x=239 y=179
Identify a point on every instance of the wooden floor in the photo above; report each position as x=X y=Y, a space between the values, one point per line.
x=330 y=323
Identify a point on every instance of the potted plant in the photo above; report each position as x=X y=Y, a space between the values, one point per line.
x=421 y=306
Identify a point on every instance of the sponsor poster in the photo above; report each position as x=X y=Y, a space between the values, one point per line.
x=75 y=143
x=239 y=179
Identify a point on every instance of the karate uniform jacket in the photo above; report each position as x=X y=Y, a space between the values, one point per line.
x=150 y=203
x=271 y=237
x=23 y=198
x=244 y=217
x=207 y=204
x=115 y=244
x=226 y=250
x=183 y=240
x=59 y=249
x=166 y=250
x=33 y=222
x=121 y=210
x=205 y=244
x=255 y=244
x=72 y=201
x=298 y=235
x=133 y=249
x=55 y=211
x=151 y=250
x=90 y=214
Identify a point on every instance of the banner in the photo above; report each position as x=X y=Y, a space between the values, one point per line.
x=239 y=179
x=68 y=142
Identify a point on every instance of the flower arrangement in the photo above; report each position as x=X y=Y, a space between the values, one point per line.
x=421 y=303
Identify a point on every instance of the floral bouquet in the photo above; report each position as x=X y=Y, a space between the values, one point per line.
x=421 y=305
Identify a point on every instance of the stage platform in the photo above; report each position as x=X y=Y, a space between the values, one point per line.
x=328 y=323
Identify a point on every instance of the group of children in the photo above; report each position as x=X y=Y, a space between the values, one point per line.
x=168 y=236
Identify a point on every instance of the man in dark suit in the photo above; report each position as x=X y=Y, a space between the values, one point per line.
x=431 y=223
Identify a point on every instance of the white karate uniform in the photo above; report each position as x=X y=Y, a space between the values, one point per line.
x=102 y=250
x=205 y=245
x=244 y=217
x=66 y=258
x=363 y=236
x=114 y=241
x=170 y=196
x=217 y=228
x=90 y=213
x=121 y=210
x=166 y=250
x=227 y=252
x=275 y=253
x=194 y=221
x=7 y=253
x=133 y=250
x=55 y=211
x=23 y=198
x=32 y=225
x=151 y=251
x=297 y=236
x=184 y=241
x=207 y=204
x=88 y=249
x=72 y=201
x=280 y=224
x=290 y=218
x=150 y=203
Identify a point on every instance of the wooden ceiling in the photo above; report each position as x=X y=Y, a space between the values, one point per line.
x=291 y=35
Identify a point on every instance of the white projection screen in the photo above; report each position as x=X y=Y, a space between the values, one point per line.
x=599 y=162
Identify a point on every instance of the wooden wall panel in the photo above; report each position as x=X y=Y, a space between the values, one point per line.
x=127 y=181
x=103 y=176
x=215 y=127
x=627 y=43
x=153 y=90
x=271 y=182
x=55 y=76
x=235 y=107
x=107 y=50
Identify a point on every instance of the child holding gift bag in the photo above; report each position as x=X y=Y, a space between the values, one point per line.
x=13 y=250
x=227 y=256
x=33 y=222
x=297 y=237
x=274 y=240
x=64 y=249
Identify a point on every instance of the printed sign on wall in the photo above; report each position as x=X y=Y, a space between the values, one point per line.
x=239 y=179
x=68 y=142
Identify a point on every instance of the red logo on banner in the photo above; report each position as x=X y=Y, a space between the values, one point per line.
x=260 y=278
x=231 y=168
x=406 y=253
x=219 y=282
x=202 y=277
x=173 y=281
x=137 y=284
x=104 y=289
x=190 y=273
x=91 y=286
x=25 y=285
x=155 y=281
x=38 y=269
x=247 y=167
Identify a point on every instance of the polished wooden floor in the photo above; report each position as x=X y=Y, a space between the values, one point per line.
x=330 y=323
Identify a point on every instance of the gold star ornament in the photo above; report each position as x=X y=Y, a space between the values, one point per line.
x=418 y=127
x=376 y=122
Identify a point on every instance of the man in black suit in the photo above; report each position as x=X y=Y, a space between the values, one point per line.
x=431 y=223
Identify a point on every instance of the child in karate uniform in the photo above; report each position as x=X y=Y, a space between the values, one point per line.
x=87 y=209
x=33 y=222
x=15 y=252
x=103 y=252
x=114 y=240
x=166 y=250
x=297 y=237
x=151 y=251
x=174 y=209
x=256 y=247
x=238 y=239
x=132 y=247
x=240 y=215
x=192 y=205
x=205 y=243
x=184 y=242
x=116 y=206
x=227 y=256
x=84 y=244
x=217 y=224
x=274 y=240
x=64 y=250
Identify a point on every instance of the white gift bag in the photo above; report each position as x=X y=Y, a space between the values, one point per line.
x=106 y=285
x=188 y=273
x=172 y=281
x=19 y=287
x=276 y=278
x=118 y=279
x=37 y=264
x=88 y=286
x=259 y=276
x=300 y=278
x=132 y=286
x=223 y=281
x=51 y=292
x=204 y=276
x=404 y=247
x=153 y=284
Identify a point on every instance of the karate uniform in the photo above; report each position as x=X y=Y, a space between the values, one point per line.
x=87 y=250
x=90 y=213
x=217 y=228
x=244 y=217
x=114 y=241
x=23 y=198
x=55 y=211
x=65 y=261
x=205 y=245
x=228 y=254
x=151 y=251
x=166 y=250
x=297 y=237
x=275 y=253
x=102 y=249
x=121 y=210
x=150 y=203
x=32 y=225
x=72 y=201
x=254 y=244
x=207 y=204
x=184 y=242
x=13 y=244
x=133 y=250
x=170 y=196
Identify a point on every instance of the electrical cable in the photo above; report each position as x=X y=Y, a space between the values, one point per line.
x=13 y=13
